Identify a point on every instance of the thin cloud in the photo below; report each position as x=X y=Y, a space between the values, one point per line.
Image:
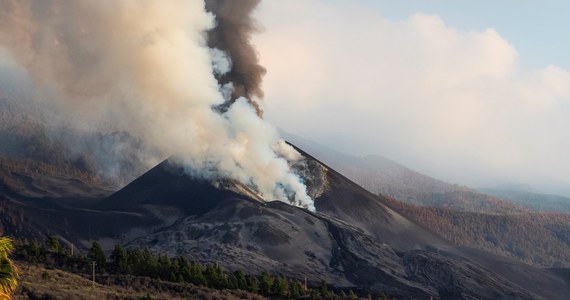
x=454 y=104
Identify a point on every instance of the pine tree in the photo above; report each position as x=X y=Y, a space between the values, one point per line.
x=266 y=284
x=119 y=259
x=241 y=279
x=280 y=287
x=296 y=289
x=233 y=282
x=97 y=255
x=53 y=244
x=33 y=251
x=252 y=284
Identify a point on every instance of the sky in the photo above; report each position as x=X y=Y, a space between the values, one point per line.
x=471 y=92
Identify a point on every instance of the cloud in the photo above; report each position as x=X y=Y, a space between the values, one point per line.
x=454 y=104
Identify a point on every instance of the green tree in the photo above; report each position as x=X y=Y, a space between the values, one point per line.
x=33 y=251
x=233 y=282
x=252 y=284
x=296 y=289
x=53 y=244
x=266 y=284
x=241 y=279
x=97 y=255
x=216 y=277
x=280 y=287
x=195 y=274
x=119 y=259
x=8 y=271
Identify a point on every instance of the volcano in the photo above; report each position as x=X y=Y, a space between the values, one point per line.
x=353 y=240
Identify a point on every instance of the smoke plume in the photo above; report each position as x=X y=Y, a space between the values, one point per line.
x=232 y=35
x=149 y=68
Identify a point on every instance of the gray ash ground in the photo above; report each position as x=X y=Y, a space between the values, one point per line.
x=354 y=240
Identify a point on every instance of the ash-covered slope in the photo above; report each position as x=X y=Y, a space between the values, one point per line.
x=354 y=239
x=341 y=198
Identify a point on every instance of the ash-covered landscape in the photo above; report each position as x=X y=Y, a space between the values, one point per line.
x=264 y=149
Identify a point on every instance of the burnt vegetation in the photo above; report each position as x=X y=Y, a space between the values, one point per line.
x=539 y=239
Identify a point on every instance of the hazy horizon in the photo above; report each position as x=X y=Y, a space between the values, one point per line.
x=466 y=100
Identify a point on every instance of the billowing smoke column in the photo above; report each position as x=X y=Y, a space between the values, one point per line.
x=231 y=35
x=146 y=67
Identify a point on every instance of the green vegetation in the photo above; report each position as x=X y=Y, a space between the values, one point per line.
x=124 y=264
x=8 y=271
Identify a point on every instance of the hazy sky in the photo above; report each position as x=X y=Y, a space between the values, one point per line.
x=472 y=92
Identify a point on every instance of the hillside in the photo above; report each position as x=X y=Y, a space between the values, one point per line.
x=35 y=134
x=462 y=215
x=540 y=239
x=139 y=273
x=532 y=200
x=383 y=176
x=39 y=282
x=355 y=241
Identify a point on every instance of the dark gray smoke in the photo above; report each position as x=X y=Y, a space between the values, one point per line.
x=232 y=35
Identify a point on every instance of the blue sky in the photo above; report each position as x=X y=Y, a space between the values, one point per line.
x=538 y=29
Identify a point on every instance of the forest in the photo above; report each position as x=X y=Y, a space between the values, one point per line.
x=538 y=239
x=124 y=266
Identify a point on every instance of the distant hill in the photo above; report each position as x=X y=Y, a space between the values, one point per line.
x=383 y=176
x=538 y=239
x=532 y=200
x=33 y=134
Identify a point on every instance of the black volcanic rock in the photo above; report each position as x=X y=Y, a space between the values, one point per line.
x=354 y=240
x=167 y=185
x=343 y=199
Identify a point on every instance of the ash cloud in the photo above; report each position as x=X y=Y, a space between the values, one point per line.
x=234 y=25
x=151 y=69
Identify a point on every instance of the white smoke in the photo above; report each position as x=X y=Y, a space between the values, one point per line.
x=144 y=67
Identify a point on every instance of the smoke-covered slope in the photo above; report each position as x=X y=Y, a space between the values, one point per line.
x=383 y=176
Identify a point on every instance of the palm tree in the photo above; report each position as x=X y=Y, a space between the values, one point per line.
x=8 y=271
